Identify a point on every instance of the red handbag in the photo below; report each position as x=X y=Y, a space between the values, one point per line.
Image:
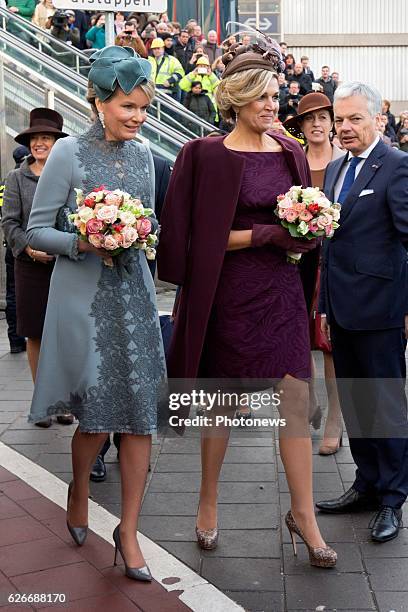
x=318 y=340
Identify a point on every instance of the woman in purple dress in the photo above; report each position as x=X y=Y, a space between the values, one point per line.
x=242 y=311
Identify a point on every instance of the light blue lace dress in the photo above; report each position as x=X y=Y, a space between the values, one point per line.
x=102 y=356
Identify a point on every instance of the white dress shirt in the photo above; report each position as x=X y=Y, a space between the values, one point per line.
x=343 y=172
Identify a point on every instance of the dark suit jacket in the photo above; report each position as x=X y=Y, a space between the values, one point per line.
x=364 y=277
x=162 y=173
x=162 y=178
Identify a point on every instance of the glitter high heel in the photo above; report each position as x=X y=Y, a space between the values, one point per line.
x=319 y=557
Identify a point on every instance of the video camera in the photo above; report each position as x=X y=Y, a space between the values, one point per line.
x=59 y=19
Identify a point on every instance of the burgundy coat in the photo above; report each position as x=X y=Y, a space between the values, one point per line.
x=195 y=224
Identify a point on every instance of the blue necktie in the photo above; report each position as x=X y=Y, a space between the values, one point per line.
x=349 y=179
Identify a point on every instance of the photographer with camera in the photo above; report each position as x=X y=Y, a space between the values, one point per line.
x=62 y=27
x=203 y=74
x=291 y=102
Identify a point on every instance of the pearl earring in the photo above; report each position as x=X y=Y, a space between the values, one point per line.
x=101 y=118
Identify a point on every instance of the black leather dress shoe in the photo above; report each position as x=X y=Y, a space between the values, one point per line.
x=98 y=473
x=386 y=524
x=17 y=348
x=351 y=501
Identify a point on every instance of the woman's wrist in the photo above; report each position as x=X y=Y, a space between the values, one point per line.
x=30 y=252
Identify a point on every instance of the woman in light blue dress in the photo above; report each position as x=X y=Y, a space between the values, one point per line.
x=102 y=356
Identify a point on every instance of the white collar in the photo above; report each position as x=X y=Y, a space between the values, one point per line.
x=367 y=152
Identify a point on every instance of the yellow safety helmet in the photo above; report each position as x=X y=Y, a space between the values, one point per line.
x=158 y=43
x=203 y=61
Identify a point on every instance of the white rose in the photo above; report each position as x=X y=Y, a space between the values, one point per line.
x=310 y=194
x=108 y=214
x=150 y=253
x=303 y=228
x=127 y=217
x=323 y=202
x=85 y=214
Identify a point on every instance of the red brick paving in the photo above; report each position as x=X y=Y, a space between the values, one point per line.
x=37 y=555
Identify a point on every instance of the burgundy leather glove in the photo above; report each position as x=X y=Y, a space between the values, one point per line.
x=279 y=237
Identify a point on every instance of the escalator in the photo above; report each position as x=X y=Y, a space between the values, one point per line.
x=25 y=45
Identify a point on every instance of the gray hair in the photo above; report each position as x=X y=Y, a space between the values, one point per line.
x=357 y=88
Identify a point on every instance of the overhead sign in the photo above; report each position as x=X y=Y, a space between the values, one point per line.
x=265 y=24
x=130 y=6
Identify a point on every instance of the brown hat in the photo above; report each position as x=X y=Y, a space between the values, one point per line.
x=265 y=54
x=42 y=121
x=310 y=103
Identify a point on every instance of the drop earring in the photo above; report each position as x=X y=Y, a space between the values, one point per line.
x=101 y=118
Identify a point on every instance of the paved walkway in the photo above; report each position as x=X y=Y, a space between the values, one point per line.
x=253 y=564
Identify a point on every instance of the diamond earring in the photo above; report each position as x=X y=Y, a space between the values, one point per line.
x=101 y=118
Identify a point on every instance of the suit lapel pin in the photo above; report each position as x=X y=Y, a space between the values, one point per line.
x=375 y=166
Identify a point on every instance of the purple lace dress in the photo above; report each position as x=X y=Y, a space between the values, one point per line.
x=258 y=326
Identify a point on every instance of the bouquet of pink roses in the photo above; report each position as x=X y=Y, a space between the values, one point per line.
x=307 y=213
x=115 y=221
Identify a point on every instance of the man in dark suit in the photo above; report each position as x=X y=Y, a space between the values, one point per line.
x=365 y=298
x=162 y=173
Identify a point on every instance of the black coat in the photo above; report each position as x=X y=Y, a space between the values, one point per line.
x=329 y=87
x=200 y=105
x=184 y=53
x=305 y=82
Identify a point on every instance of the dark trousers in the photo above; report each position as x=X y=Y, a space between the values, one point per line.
x=106 y=446
x=11 y=316
x=370 y=371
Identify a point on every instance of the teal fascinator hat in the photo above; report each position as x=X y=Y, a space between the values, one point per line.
x=117 y=66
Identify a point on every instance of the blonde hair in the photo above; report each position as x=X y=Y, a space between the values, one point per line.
x=242 y=88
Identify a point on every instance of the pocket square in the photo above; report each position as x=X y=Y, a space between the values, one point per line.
x=366 y=192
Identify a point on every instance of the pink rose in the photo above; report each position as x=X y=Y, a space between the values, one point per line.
x=113 y=199
x=299 y=207
x=96 y=240
x=119 y=239
x=313 y=227
x=144 y=227
x=110 y=243
x=108 y=214
x=324 y=220
x=329 y=231
x=129 y=235
x=94 y=226
x=291 y=215
x=285 y=203
x=305 y=216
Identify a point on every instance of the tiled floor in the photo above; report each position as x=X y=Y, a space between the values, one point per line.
x=253 y=564
x=37 y=556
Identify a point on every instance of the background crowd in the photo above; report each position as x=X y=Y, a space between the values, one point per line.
x=187 y=63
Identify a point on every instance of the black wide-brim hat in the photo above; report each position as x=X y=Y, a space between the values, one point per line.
x=310 y=103
x=42 y=121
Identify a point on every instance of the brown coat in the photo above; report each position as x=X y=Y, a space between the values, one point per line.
x=196 y=221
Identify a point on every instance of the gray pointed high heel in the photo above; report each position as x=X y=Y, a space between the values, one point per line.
x=135 y=573
x=78 y=533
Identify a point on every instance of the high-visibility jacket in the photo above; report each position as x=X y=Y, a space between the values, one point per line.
x=2 y=186
x=209 y=83
x=166 y=68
